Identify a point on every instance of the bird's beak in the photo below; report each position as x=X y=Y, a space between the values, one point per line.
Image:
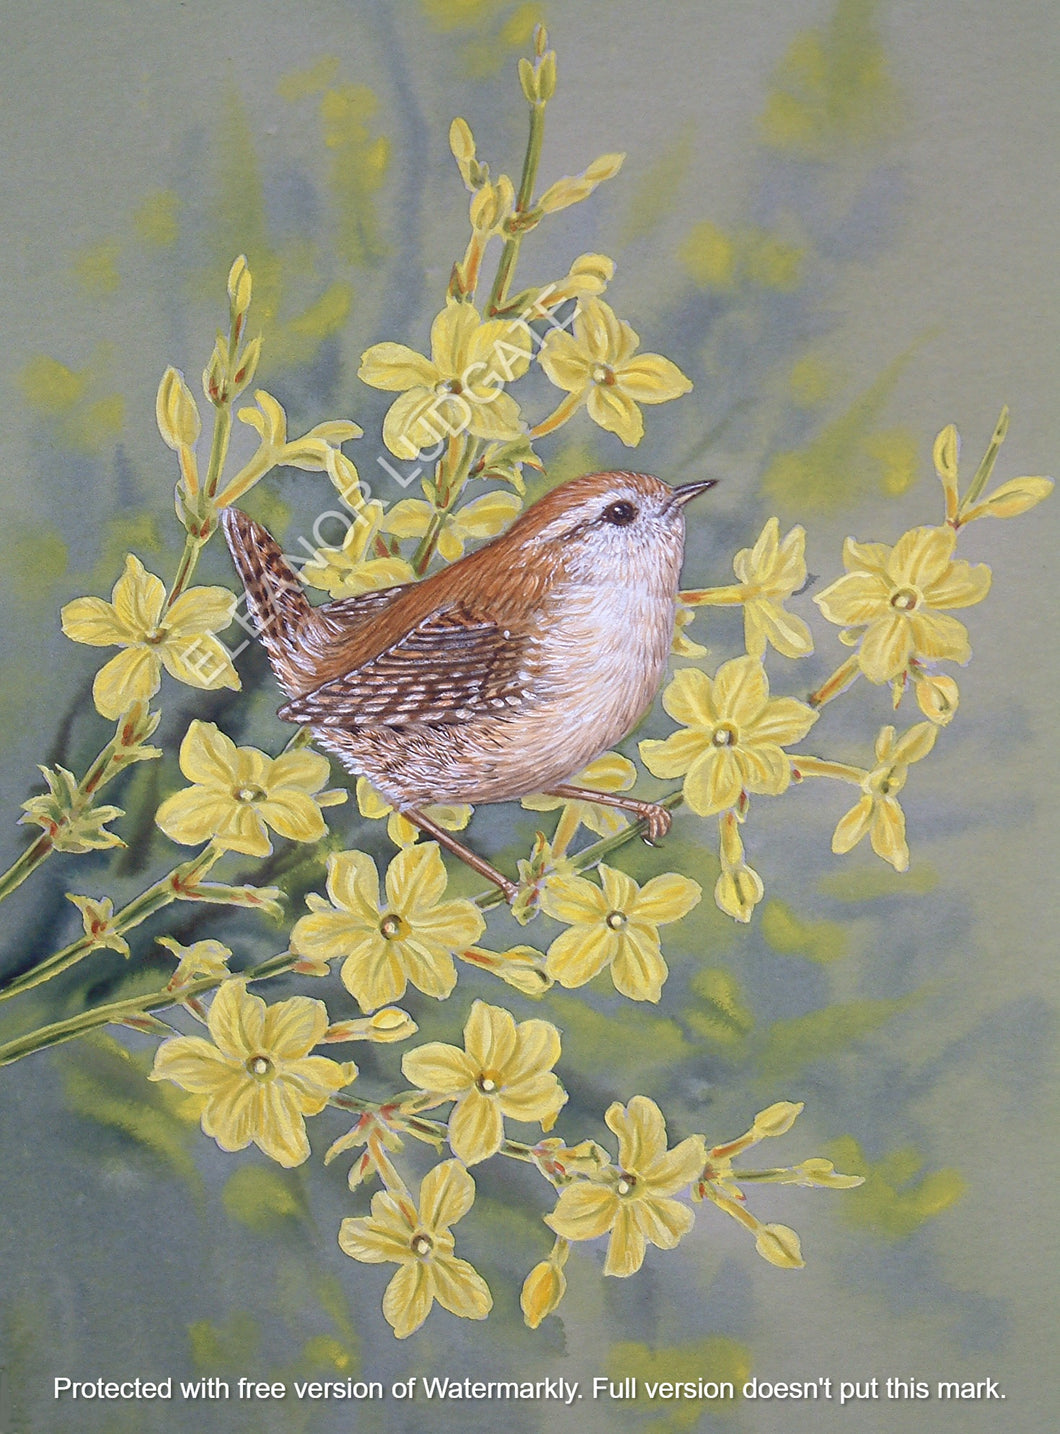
x=688 y=491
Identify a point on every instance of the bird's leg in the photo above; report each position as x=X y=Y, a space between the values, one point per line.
x=657 y=817
x=476 y=862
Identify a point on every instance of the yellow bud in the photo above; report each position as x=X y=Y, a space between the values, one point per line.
x=590 y=274
x=528 y=80
x=239 y=286
x=817 y=1171
x=938 y=698
x=780 y=1246
x=1012 y=498
x=461 y=141
x=248 y=366
x=945 y=454
x=606 y=167
x=738 y=892
x=542 y=1291
x=391 y=1024
x=176 y=411
x=546 y=76
x=215 y=374
x=776 y=1119
x=343 y=474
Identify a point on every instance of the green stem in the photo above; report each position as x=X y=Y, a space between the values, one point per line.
x=459 y=457
x=27 y=863
x=188 y=559
x=160 y=894
x=103 y=768
x=117 y=1011
x=594 y=854
x=523 y=201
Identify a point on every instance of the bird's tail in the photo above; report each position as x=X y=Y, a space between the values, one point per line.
x=276 y=600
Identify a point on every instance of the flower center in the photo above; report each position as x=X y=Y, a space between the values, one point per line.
x=616 y=920
x=724 y=735
x=422 y=1245
x=602 y=373
x=488 y=1083
x=154 y=635
x=449 y=386
x=626 y=1183
x=391 y=925
x=905 y=599
x=249 y=794
x=260 y=1067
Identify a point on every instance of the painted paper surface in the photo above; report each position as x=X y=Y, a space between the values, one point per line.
x=834 y=218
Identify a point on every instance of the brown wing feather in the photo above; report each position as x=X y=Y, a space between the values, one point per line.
x=452 y=666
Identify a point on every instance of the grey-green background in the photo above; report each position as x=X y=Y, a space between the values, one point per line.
x=882 y=178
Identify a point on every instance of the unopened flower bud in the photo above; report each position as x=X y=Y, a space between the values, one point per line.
x=776 y=1119
x=780 y=1246
x=542 y=1291
x=738 y=892
x=248 y=366
x=528 y=80
x=176 y=411
x=938 y=698
x=239 y=286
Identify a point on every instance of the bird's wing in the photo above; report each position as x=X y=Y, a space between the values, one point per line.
x=453 y=666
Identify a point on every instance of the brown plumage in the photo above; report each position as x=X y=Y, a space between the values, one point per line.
x=502 y=674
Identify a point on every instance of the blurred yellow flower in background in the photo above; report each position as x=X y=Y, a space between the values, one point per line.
x=419 y=1241
x=257 y=1075
x=179 y=638
x=505 y=1069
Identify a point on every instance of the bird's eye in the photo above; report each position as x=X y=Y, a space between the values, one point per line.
x=620 y=513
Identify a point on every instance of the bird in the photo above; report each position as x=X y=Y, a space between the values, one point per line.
x=499 y=676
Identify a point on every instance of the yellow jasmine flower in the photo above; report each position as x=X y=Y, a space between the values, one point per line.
x=504 y=1069
x=609 y=773
x=312 y=452
x=482 y=518
x=459 y=388
x=769 y=574
x=734 y=735
x=179 y=638
x=597 y=363
x=356 y=567
x=412 y=937
x=239 y=792
x=399 y=829
x=257 y=1075
x=636 y=1205
x=877 y=813
x=418 y=1240
x=891 y=598
x=617 y=925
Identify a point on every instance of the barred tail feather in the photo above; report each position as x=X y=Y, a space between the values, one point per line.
x=276 y=601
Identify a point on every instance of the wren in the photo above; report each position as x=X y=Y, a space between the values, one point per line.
x=499 y=676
